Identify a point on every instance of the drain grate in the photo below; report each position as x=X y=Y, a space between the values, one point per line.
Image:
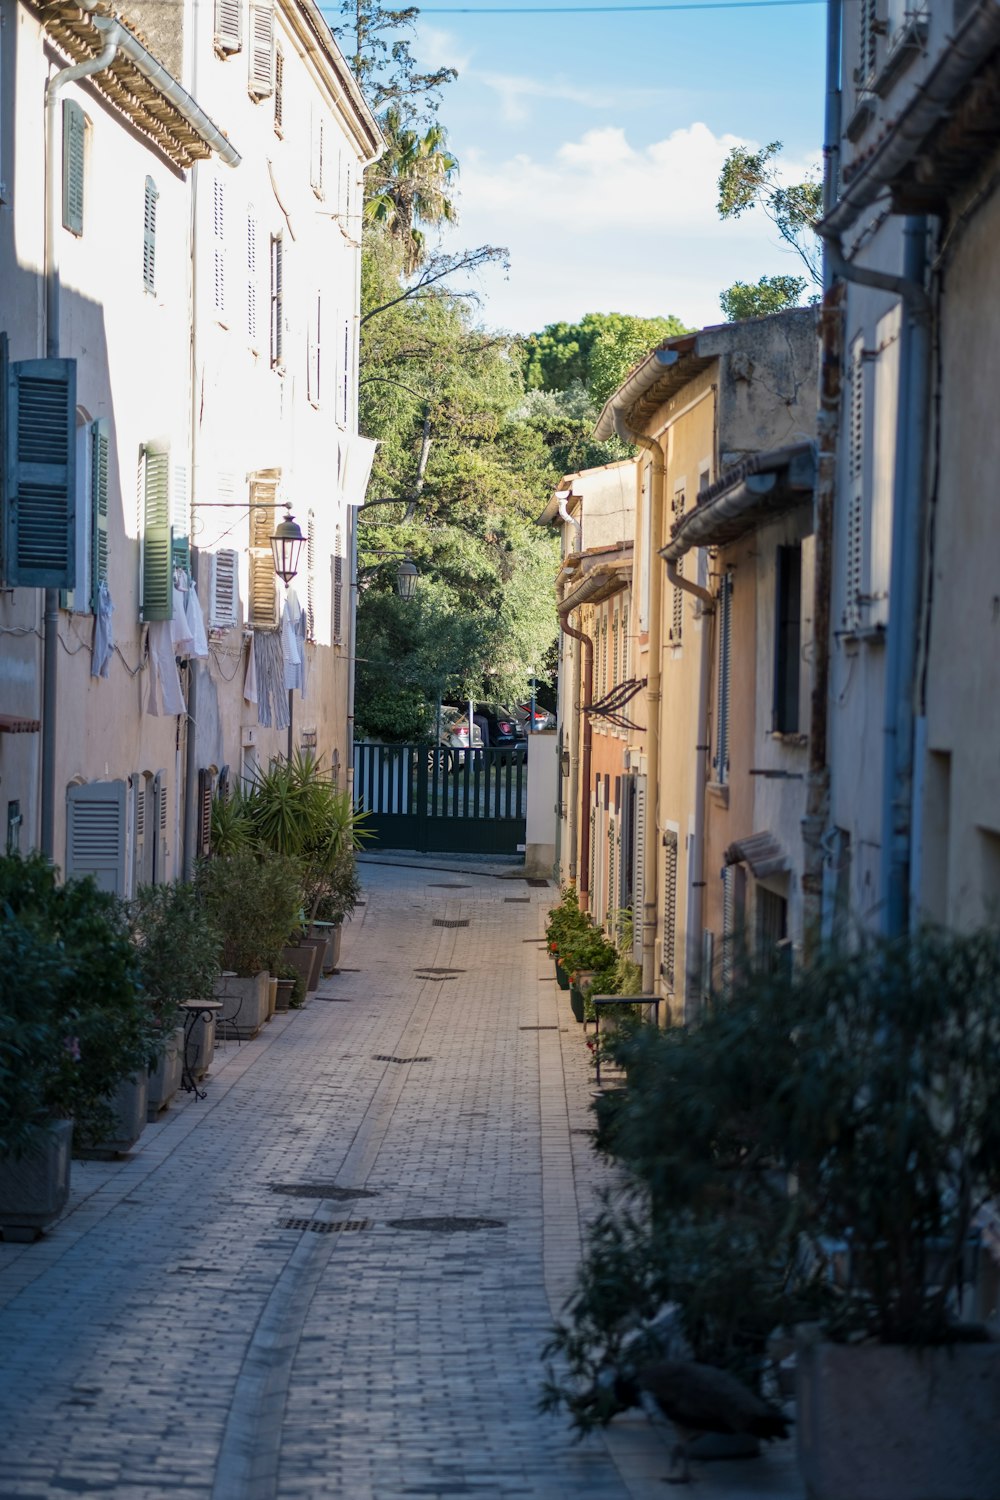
x=336 y=999
x=446 y=1225
x=437 y=978
x=541 y=943
x=450 y=922
x=388 y=1057
x=320 y=1190
x=444 y=885
x=538 y=1028
x=536 y=882
x=517 y=901
x=325 y=1226
x=583 y=1132
x=427 y=969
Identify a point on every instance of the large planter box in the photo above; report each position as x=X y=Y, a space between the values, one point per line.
x=244 y=1004
x=129 y=1104
x=302 y=958
x=201 y=1045
x=883 y=1422
x=332 y=933
x=317 y=946
x=165 y=1079
x=35 y=1188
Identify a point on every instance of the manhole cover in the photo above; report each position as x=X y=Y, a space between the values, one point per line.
x=320 y=1190
x=388 y=1057
x=325 y=1226
x=538 y=1028
x=450 y=922
x=446 y=1225
x=517 y=901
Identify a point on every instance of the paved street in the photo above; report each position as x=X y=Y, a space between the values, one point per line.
x=241 y=1310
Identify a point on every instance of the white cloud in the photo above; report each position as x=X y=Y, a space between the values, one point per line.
x=437 y=48
x=602 y=225
x=514 y=89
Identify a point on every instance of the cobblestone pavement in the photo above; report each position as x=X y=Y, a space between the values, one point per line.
x=197 y=1326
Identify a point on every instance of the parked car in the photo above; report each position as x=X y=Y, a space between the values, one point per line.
x=505 y=730
x=455 y=733
x=543 y=719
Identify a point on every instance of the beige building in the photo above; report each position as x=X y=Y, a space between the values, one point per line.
x=181 y=336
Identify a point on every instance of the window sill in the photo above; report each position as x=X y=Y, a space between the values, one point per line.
x=793 y=739
x=719 y=792
x=872 y=635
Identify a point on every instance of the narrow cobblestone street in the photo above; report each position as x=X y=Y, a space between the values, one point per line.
x=240 y=1310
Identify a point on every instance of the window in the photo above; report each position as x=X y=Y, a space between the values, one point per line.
x=223 y=597
x=261 y=82
x=338 y=586
x=252 y=278
x=313 y=371
x=669 y=948
x=311 y=576
x=149 y=828
x=638 y=865
x=772 y=929
x=721 y=761
x=38 y=498
x=149 y=236
x=15 y=821
x=156 y=592
x=263 y=580
x=279 y=91
x=95 y=833
x=787 y=639
x=316 y=156
x=868 y=30
x=228 y=26
x=277 y=306
x=677 y=606
x=219 y=246
x=74 y=139
x=180 y=519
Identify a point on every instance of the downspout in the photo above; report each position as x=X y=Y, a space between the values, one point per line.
x=696 y=864
x=194 y=668
x=650 y=900
x=586 y=683
x=50 y=605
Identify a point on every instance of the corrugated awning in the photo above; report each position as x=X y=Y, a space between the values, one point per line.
x=12 y=724
x=761 y=853
x=759 y=490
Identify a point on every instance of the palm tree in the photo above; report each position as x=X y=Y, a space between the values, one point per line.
x=408 y=185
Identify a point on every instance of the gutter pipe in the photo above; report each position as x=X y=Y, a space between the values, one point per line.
x=50 y=604
x=650 y=899
x=562 y=496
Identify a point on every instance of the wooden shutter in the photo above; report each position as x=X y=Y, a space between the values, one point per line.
x=149 y=236
x=677 y=601
x=316 y=154
x=638 y=866
x=277 y=309
x=156 y=593
x=313 y=360
x=159 y=829
x=344 y=381
x=228 y=25
x=261 y=49
x=95 y=834
x=869 y=25
x=99 y=452
x=854 y=540
x=39 y=500
x=338 y=585
x=223 y=592
x=206 y=781
x=140 y=874
x=669 y=949
x=74 y=136
x=219 y=246
x=251 y=276
x=263 y=584
x=279 y=91
x=611 y=900
x=311 y=576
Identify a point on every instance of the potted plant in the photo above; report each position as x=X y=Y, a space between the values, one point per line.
x=286 y=979
x=178 y=947
x=71 y=1029
x=254 y=899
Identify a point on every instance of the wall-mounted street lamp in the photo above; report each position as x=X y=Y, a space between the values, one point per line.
x=406 y=574
x=286 y=545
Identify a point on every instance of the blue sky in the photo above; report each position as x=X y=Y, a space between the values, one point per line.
x=591 y=146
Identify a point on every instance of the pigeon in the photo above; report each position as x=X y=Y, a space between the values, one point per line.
x=697 y=1399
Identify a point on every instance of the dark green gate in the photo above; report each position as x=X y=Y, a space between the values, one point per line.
x=441 y=801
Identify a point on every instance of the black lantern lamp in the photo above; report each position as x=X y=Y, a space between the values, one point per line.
x=406 y=578
x=286 y=545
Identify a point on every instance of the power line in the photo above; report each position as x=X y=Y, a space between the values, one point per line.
x=594 y=10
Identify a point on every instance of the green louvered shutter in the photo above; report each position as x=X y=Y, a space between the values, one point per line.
x=74 y=131
x=39 y=497
x=99 y=508
x=157 y=594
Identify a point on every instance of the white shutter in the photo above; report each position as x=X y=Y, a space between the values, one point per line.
x=638 y=867
x=251 y=277
x=223 y=590
x=316 y=153
x=261 y=49
x=311 y=576
x=95 y=834
x=219 y=246
x=228 y=25
x=313 y=353
x=338 y=586
x=854 y=539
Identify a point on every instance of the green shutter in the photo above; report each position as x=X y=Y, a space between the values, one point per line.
x=157 y=593
x=74 y=128
x=39 y=497
x=99 y=508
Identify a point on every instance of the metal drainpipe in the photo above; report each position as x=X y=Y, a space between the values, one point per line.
x=50 y=605
x=651 y=862
x=586 y=694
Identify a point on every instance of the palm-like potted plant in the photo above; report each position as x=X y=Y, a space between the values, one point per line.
x=255 y=901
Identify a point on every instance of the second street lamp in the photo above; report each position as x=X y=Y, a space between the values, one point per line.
x=286 y=545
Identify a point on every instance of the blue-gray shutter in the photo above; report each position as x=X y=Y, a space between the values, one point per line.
x=95 y=833
x=157 y=593
x=99 y=451
x=39 y=496
x=74 y=131
x=159 y=829
x=149 y=236
x=638 y=867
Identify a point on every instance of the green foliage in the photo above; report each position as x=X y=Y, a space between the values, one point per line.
x=771 y=294
x=75 y=1021
x=408 y=186
x=751 y=179
x=595 y=353
x=373 y=38
x=255 y=901
x=178 y=948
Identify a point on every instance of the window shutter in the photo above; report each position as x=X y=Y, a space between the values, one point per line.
x=638 y=866
x=316 y=155
x=277 y=311
x=868 y=23
x=140 y=875
x=99 y=449
x=611 y=902
x=311 y=576
x=261 y=49
x=252 y=277
x=95 y=834
x=677 y=601
x=159 y=829
x=149 y=237
x=668 y=959
x=344 y=383
x=206 y=780
x=228 y=25
x=722 y=686
x=156 y=593
x=313 y=369
x=615 y=652
x=223 y=598
x=39 y=503
x=74 y=134
x=279 y=91
x=219 y=246
x=180 y=545
x=263 y=584
x=625 y=645
x=787 y=639
x=338 y=586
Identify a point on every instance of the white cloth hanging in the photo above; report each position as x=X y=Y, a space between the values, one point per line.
x=165 y=696
x=104 y=640
x=180 y=630
x=196 y=623
x=290 y=652
x=250 y=679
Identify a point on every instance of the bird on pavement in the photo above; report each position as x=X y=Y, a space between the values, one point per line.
x=697 y=1399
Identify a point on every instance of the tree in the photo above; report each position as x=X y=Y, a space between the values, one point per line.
x=408 y=186
x=382 y=62
x=751 y=179
x=600 y=348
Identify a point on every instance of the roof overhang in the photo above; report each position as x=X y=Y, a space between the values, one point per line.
x=942 y=134
x=602 y=574
x=761 y=853
x=138 y=85
x=315 y=32
x=659 y=376
x=763 y=488
x=14 y=724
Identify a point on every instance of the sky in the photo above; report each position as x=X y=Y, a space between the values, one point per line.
x=590 y=145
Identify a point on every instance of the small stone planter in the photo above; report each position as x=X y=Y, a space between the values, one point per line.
x=286 y=989
x=165 y=1079
x=34 y=1188
x=272 y=996
x=244 y=1004
x=331 y=932
x=300 y=959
